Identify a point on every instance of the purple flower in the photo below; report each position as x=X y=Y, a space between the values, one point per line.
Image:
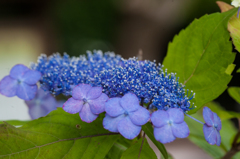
x=212 y=127
x=125 y=115
x=168 y=125
x=42 y=104
x=87 y=100
x=21 y=82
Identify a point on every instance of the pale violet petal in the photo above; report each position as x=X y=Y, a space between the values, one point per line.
x=8 y=86
x=129 y=102
x=18 y=71
x=26 y=92
x=208 y=116
x=113 y=108
x=164 y=134
x=86 y=114
x=210 y=134
x=140 y=116
x=80 y=91
x=72 y=106
x=97 y=105
x=127 y=129
x=180 y=130
x=94 y=93
x=31 y=77
x=111 y=123
x=176 y=115
x=159 y=118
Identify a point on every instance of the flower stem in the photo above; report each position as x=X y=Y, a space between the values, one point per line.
x=235 y=146
x=193 y=118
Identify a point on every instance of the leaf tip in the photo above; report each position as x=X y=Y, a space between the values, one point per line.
x=229 y=69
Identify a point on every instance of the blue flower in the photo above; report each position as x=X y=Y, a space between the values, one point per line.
x=168 y=125
x=125 y=115
x=42 y=104
x=117 y=77
x=62 y=74
x=21 y=82
x=86 y=100
x=212 y=127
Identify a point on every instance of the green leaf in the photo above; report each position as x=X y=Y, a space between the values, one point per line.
x=223 y=114
x=148 y=129
x=119 y=147
x=58 y=135
x=230 y=69
x=234 y=29
x=238 y=71
x=140 y=150
x=234 y=92
x=116 y=151
x=197 y=137
x=15 y=122
x=201 y=55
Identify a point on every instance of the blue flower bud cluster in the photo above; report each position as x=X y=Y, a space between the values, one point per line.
x=61 y=74
x=117 y=76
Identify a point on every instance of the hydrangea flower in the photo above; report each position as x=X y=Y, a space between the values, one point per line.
x=212 y=127
x=168 y=125
x=117 y=76
x=86 y=100
x=62 y=74
x=42 y=104
x=21 y=82
x=125 y=115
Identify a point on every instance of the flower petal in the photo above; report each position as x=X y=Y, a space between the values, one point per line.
x=97 y=105
x=164 y=134
x=86 y=114
x=159 y=118
x=130 y=102
x=217 y=121
x=18 y=70
x=110 y=123
x=176 y=115
x=94 y=93
x=127 y=129
x=80 y=91
x=31 y=77
x=180 y=130
x=36 y=111
x=140 y=117
x=72 y=106
x=210 y=134
x=218 y=139
x=8 y=86
x=26 y=92
x=113 y=108
x=208 y=116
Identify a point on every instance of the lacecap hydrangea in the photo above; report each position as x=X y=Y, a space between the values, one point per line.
x=132 y=93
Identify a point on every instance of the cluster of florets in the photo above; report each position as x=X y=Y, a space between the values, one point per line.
x=60 y=74
x=131 y=92
x=116 y=76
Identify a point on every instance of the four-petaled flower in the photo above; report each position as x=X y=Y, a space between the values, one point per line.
x=212 y=127
x=42 y=104
x=21 y=82
x=169 y=124
x=87 y=100
x=125 y=115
